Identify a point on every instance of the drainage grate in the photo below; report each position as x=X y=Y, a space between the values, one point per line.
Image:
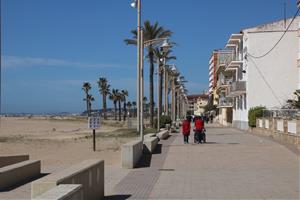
x=233 y=143
x=166 y=170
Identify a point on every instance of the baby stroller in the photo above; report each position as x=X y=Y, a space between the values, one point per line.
x=200 y=136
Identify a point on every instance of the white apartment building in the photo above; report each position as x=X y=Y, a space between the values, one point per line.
x=258 y=76
x=212 y=72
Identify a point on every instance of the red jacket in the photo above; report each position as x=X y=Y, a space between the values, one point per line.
x=186 y=127
x=199 y=125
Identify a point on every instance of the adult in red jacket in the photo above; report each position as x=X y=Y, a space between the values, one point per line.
x=186 y=129
x=199 y=130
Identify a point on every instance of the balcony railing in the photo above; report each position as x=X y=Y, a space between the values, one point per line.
x=224 y=56
x=225 y=102
x=233 y=63
x=223 y=81
x=237 y=88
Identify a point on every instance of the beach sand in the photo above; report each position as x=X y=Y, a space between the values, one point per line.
x=60 y=141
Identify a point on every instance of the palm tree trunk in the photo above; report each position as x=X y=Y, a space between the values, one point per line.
x=125 y=110
x=115 y=104
x=104 y=105
x=151 y=96
x=87 y=105
x=119 y=110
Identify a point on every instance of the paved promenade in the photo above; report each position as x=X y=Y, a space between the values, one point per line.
x=232 y=165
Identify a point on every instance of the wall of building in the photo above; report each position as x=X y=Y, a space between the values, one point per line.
x=272 y=79
x=298 y=55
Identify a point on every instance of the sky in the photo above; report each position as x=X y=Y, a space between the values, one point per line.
x=50 y=47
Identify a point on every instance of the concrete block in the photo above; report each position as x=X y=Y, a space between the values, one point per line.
x=63 y=192
x=89 y=173
x=150 y=144
x=131 y=154
x=150 y=135
x=12 y=159
x=16 y=173
x=163 y=134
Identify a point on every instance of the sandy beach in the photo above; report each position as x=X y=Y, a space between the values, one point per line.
x=60 y=141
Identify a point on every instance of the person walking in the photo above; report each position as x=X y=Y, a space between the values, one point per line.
x=186 y=129
x=199 y=130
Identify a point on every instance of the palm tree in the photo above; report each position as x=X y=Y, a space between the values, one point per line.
x=159 y=56
x=86 y=88
x=104 y=89
x=124 y=95
x=129 y=107
x=145 y=110
x=150 y=32
x=119 y=99
x=114 y=97
x=134 y=108
x=90 y=99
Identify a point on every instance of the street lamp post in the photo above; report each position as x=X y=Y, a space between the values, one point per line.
x=174 y=75
x=164 y=49
x=142 y=87
x=137 y=4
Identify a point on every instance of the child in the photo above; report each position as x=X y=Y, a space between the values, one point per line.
x=186 y=128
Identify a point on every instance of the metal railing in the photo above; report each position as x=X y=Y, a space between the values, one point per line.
x=225 y=56
x=225 y=102
x=238 y=86
x=282 y=113
x=224 y=81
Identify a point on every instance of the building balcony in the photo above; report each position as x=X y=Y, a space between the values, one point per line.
x=223 y=83
x=225 y=103
x=237 y=88
x=234 y=40
x=234 y=43
x=224 y=56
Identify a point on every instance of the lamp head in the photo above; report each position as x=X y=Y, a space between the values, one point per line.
x=165 y=46
x=173 y=68
x=134 y=4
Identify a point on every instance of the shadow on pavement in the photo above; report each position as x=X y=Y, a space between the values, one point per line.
x=157 y=149
x=146 y=158
x=21 y=183
x=145 y=161
x=117 y=197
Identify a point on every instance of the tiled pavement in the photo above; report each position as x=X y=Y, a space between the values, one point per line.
x=232 y=165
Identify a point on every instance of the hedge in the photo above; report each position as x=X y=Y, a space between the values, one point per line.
x=254 y=113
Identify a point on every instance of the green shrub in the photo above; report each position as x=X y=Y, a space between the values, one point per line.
x=254 y=113
x=163 y=121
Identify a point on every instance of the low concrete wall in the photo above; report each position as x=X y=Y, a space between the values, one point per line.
x=150 y=135
x=63 y=192
x=131 y=154
x=13 y=159
x=16 y=173
x=150 y=144
x=89 y=173
x=283 y=130
x=163 y=134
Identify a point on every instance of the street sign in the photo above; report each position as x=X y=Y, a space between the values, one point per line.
x=94 y=122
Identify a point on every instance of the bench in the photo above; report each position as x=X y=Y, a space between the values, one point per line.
x=16 y=173
x=63 y=192
x=131 y=154
x=89 y=173
x=163 y=134
x=150 y=144
x=13 y=159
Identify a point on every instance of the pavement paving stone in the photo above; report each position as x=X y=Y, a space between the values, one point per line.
x=232 y=165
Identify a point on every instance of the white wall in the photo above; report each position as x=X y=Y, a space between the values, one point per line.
x=277 y=70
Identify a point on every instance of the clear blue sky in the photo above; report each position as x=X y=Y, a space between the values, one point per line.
x=49 y=47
